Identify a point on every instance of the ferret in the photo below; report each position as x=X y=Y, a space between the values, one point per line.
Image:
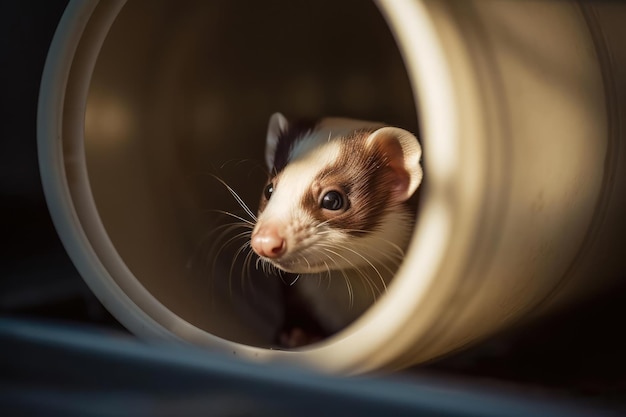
x=335 y=214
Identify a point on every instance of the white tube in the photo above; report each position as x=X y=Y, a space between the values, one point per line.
x=524 y=184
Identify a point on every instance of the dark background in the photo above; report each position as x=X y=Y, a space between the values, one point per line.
x=37 y=277
x=575 y=353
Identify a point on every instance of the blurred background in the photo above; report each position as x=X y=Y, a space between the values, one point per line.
x=577 y=352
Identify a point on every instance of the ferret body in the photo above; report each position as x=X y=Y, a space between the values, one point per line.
x=335 y=211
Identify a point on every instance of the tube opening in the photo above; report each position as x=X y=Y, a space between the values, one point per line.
x=179 y=101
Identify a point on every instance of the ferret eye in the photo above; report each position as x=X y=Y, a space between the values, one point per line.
x=333 y=200
x=269 y=189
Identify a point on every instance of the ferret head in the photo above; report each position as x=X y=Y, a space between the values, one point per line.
x=336 y=199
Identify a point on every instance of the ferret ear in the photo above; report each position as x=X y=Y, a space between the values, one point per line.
x=403 y=152
x=278 y=124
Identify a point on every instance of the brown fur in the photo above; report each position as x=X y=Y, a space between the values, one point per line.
x=359 y=174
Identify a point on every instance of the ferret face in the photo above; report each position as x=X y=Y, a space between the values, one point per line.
x=337 y=201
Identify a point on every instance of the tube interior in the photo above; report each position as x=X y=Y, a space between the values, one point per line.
x=181 y=94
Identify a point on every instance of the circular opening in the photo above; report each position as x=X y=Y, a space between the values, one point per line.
x=158 y=103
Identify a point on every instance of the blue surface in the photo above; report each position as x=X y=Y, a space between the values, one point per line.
x=54 y=370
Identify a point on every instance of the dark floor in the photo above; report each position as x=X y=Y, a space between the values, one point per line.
x=575 y=354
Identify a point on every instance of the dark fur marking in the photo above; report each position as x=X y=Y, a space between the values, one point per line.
x=295 y=132
x=287 y=139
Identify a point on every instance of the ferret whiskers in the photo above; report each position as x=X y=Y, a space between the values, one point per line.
x=237 y=198
x=365 y=277
x=332 y=261
x=227 y=237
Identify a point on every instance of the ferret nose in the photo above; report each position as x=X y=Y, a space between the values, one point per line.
x=267 y=242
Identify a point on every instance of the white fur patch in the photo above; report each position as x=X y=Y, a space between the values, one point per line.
x=297 y=177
